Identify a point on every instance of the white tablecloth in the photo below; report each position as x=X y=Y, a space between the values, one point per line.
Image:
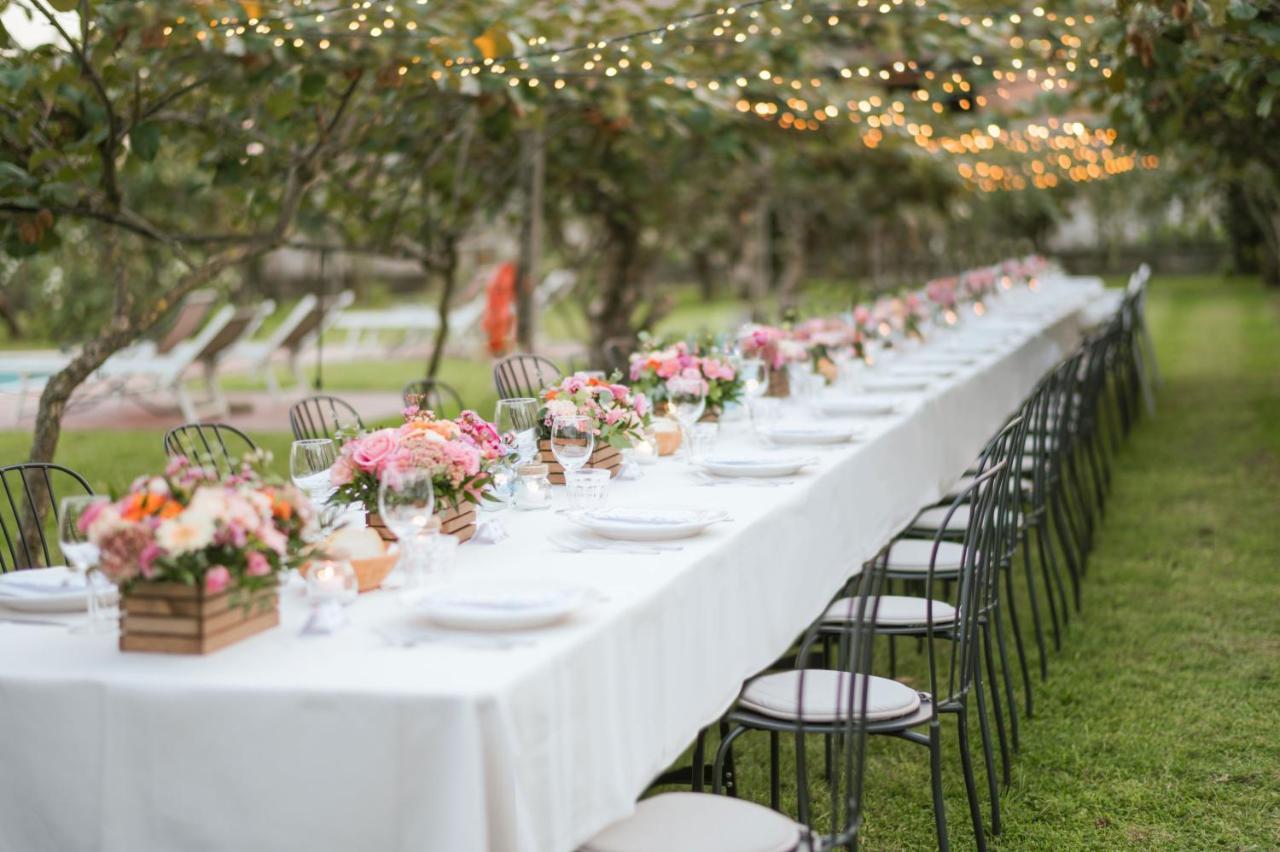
x=344 y=742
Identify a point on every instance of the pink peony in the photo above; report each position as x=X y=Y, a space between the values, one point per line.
x=371 y=452
x=343 y=472
x=147 y=559
x=257 y=565
x=216 y=579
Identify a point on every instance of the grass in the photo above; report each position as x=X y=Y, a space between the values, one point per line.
x=1157 y=727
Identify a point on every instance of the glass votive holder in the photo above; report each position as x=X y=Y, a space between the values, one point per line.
x=645 y=450
x=332 y=581
x=501 y=488
x=533 y=487
x=586 y=488
x=702 y=439
x=440 y=557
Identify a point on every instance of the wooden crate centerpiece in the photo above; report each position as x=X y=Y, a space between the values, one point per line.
x=174 y=618
x=604 y=457
x=459 y=522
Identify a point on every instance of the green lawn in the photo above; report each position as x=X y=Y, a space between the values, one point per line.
x=1159 y=727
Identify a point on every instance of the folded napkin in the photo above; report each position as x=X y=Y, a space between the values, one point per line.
x=489 y=531
x=631 y=470
x=42 y=582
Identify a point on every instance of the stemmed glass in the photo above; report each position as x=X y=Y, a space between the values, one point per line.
x=82 y=557
x=309 y=464
x=755 y=377
x=518 y=418
x=687 y=401
x=573 y=440
x=406 y=504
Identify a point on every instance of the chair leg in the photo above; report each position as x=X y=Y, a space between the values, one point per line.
x=775 y=782
x=984 y=737
x=970 y=783
x=1049 y=569
x=1066 y=542
x=1006 y=674
x=1036 y=623
x=699 y=760
x=722 y=777
x=1016 y=628
x=935 y=780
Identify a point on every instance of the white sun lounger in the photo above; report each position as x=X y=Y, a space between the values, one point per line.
x=298 y=330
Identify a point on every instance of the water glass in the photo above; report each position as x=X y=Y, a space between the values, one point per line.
x=755 y=377
x=572 y=440
x=702 y=440
x=309 y=464
x=517 y=422
x=764 y=413
x=587 y=488
x=440 y=558
x=82 y=557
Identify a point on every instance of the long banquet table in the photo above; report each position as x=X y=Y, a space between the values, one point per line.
x=347 y=742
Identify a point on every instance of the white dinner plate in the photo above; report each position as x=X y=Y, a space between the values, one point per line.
x=809 y=433
x=937 y=370
x=856 y=405
x=646 y=524
x=57 y=589
x=758 y=466
x=501 y=604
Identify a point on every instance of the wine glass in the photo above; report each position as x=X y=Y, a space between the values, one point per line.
x=686 y=401
x=309 y=464
x=82 y=557
x=572 y=440
x=406 y=504
x=518 y=418
x=755 y=377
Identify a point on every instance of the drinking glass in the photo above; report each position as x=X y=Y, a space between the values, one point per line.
x=755 y=377
x=702 y=440
x=82 y=557
x=407 y=503
x=517 y=421
x=687 y=401
x=309 y=463
x=587 y=488
x=572 y=440
x=764 y=413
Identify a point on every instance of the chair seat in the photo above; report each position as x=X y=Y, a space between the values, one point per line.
x=932 y=519
x=1026 y=483
x=892 y=611
x=912 y=554
x=698 y=822
x=827 y=696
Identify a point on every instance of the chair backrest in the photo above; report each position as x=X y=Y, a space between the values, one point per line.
x=192 y=313
x=524 y=375
x=243 y=323
x=322 y=416
x=215 y=445
x=836 y=826
x=29 y=512
x=617 y=354
x=435 y=395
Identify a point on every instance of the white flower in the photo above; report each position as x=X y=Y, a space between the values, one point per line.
x=208 y=501
x=561 y=408
x=185 y=533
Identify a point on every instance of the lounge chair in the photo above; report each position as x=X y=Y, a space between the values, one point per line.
x=309 y=318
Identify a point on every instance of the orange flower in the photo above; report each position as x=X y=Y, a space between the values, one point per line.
x=550 y=395
x=143 y=505
x=171 y=508
x=282 y=510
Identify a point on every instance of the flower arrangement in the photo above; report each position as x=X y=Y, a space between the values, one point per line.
x=979 y=282
x=657 y=372
x=618 y=414
x=189 y=526
x=942 y=292
x=775 y=346
x=460 y=454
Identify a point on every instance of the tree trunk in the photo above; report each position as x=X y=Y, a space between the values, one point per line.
x=530 y=239
x=9 y=316
x=448 y=283
x=793 y=226
x=623 y=279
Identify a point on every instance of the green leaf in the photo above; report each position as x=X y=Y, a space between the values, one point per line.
x=280 y=103
x=65 y=5
x=145 y=140
x=312 y=86
x=1243 y=11
x=14 y=175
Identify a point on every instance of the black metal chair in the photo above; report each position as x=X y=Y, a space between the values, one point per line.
x=322 y=416
x=28 y=515
x=435 y=395
x=831 y=705
x=215 y=445
x=524 y=375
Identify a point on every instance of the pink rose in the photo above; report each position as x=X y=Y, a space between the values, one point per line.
x=216 y=579
x=90 y=514
x=147 y=559
x=372 y=451
x=257 y=565
x=342 y=472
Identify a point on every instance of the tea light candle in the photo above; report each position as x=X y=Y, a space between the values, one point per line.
x=533 y=488
x=646 y=449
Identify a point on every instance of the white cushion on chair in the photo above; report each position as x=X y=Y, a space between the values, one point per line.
x=698 y=822
x=827 y=694
x=912 y=554
x=892 y=611
x=931 y=519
